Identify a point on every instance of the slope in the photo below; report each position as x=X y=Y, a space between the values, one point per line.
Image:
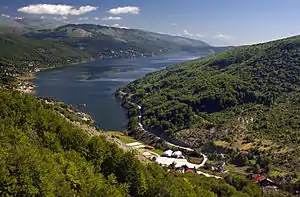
x=41 y=154
x=238 y=97
x=119 y=42
x=21 y=25
x=21 y=54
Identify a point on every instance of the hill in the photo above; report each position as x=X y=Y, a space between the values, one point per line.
x=23 y=54
x=103 y=41
x=20 y=25
x=41 y=154
x=243 y=99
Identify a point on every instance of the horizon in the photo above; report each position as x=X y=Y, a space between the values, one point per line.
x=230 y=23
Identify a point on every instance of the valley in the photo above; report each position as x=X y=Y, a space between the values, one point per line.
x=107 y=111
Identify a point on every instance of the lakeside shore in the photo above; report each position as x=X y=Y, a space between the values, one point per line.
x=25 y=84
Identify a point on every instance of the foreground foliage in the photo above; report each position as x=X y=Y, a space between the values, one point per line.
x=41 y=154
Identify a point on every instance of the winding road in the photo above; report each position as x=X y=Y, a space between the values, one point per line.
x=166 y=160
x=140 y=118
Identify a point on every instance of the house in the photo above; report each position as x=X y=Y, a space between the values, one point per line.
x=167 y=153
x=180 y=170
x=150 y=147
x=177 y=154
x=85 y=119
x=191 y=170
x=70 y=110
x=259 y=178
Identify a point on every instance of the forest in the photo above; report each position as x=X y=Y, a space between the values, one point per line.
x=242 y=96
x=41 y=154
x=23 y=54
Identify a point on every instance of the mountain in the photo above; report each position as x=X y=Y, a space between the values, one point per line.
x=21 y=54
x=103 y=41
x=247 y=99
x=20 y=25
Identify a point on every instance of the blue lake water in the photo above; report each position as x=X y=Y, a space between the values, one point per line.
x=94 y=83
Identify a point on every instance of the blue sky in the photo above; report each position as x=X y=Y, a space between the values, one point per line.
x=218 y=22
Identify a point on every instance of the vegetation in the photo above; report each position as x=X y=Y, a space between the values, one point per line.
x=240 y=97
x=41 y=154
x=105 y=42
x=23 y=54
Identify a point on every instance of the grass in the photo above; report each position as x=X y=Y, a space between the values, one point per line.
x=222 y=143
x=127 y=139
x=195 y=160
x=158 y=151
x=124 y=138
x=235 y=169
x=247 y=146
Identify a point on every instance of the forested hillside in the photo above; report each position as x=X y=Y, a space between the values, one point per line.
x=20 y=54
x=237 y=98
x=41 y=154
x=104 y=41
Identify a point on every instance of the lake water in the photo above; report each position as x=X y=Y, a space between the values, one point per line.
x=94 y=84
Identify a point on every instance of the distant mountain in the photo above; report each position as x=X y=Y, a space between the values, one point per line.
x=21 y=25
x=103 y=41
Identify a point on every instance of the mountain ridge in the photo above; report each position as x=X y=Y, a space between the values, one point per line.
x=100 y=40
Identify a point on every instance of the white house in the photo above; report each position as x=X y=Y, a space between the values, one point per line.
x=167 y=153
x=177 y=154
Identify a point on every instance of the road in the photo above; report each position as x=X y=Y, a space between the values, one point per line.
x=140 y=119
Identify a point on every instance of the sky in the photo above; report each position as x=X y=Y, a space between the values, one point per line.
x=217 y=22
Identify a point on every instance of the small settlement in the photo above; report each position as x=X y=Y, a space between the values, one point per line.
x=174 y=160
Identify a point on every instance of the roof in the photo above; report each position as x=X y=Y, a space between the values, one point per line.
x=190 y=170
x=177 y=153
x=258 y=178
x=150 y=147
x=168 y=152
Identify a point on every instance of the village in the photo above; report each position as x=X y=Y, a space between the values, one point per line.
x=68 y=112
x=176 y=162
x=25 y=87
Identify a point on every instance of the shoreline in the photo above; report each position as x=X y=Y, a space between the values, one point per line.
x=25 y=84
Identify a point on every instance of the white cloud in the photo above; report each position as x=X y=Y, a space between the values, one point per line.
x=119 y=26
x=5 y=15
x=83 y=18
x=188 y=34
x=63 y=18
x=112 y=18
x=222 y=36
x=42 y=17
x=56 y=9
x=96 y=18
x=173 y=24
x=125 y=10
x=18 y=18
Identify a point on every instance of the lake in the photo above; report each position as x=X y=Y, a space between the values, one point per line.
x=94 y=84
